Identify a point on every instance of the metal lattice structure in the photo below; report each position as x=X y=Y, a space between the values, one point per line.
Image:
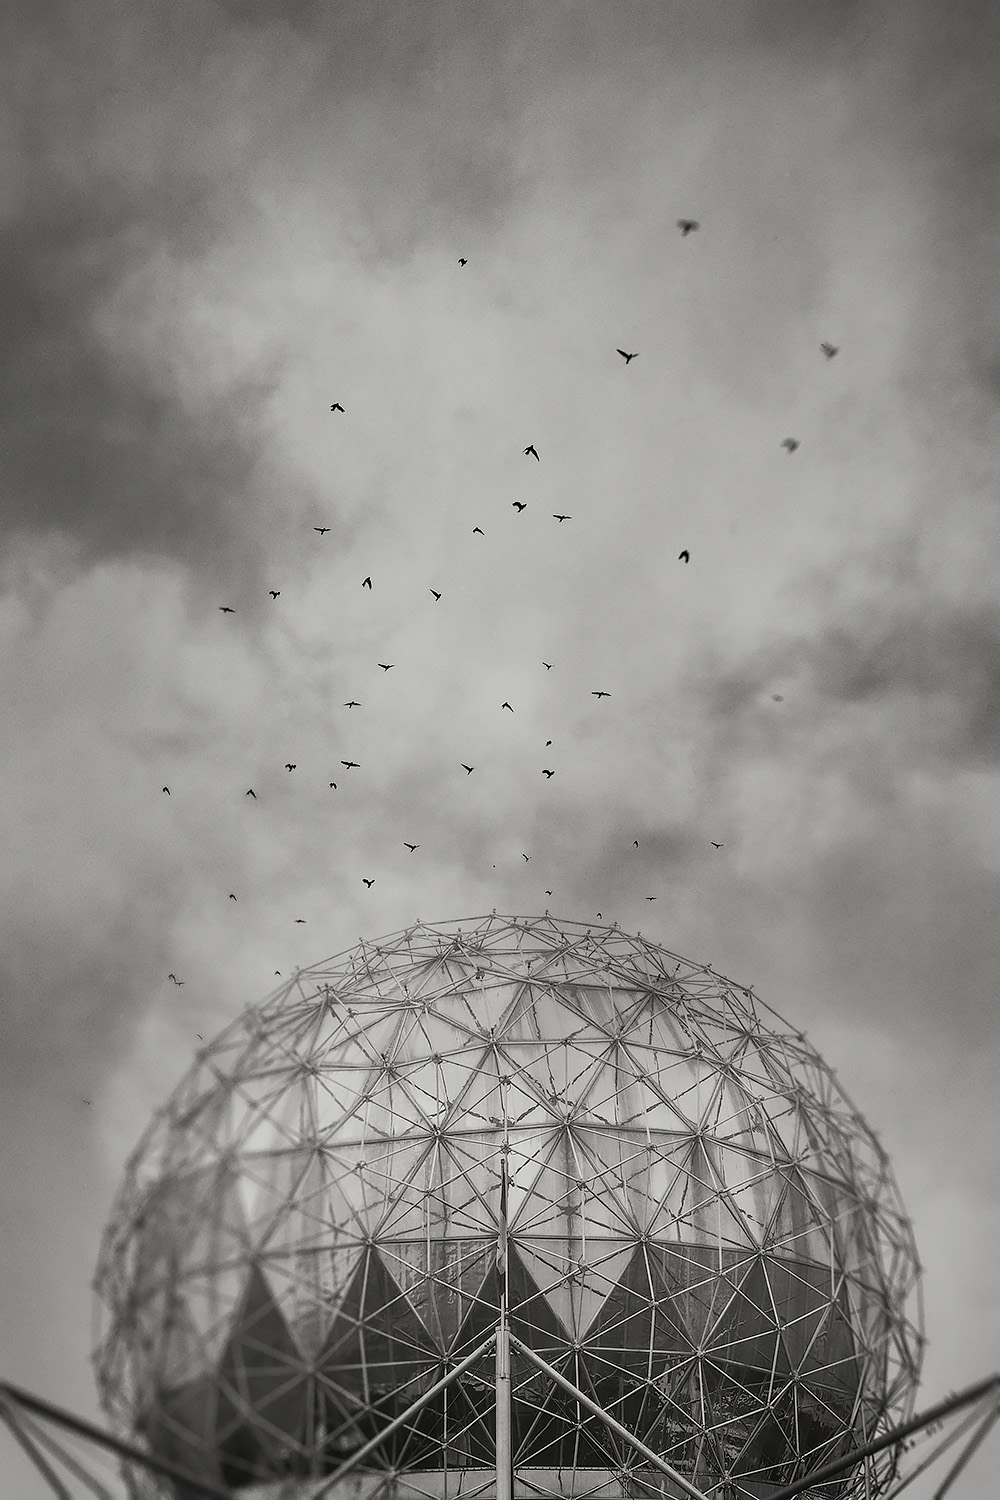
x=702 y=1235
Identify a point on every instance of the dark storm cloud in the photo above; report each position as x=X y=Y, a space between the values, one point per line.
x=944 y=660
x=94 y=444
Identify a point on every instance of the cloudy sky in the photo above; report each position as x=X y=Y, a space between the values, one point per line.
x=220 y=217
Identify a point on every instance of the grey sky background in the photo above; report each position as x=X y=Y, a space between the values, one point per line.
x=218 y=219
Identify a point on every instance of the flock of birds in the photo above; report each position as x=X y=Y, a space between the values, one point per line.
x=790 y=444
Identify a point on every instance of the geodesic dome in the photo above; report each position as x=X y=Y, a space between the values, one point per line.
x=704 y=1235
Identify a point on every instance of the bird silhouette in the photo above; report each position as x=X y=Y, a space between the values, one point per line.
x=777 y=698
x=321 y=529
x=367 y=882
x=333 y=784
x=199 y=1036
x=275 y=593
x=684 y=556
x=353 y=703
x=532 y=450
x=548 y=893
x=251 y=793
x=231 y=896
x=366 y=583
x=526 y=858
x=167 y=790
x=650 y=898
x=478 y=529
x=462 y=260
x=547 y=665
x=352 y=765
x=300 y=919
x=556 y=517
x=505 y=704
x=830 y=350
x=687 y=225
x=435 y=593
x=547 y=744
x=411 y=847
x=546 y=772
x=600 y=693
x=635 y=843
x=627 y=357
x=386 y=666
x=715 y=845
x=176 y=980
x=519 y=505
x=790 y=443
x=336 y=406
x=468 y=769
x=225 y=610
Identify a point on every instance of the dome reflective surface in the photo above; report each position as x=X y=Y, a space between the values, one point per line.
x=704 y=1236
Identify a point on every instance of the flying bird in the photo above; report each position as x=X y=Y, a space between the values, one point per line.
x=519 y=505
x=366 y=583
x=635 y=843
x=600 y=693
x=167 y=790
x=531 y=449
x=351 y=764
x=650 y=898
x=546 y=772
x=547 y=665
x=175 y=979
x=386 y=666
x=367 y=882
x=505 y=704
x=715 y=845
x=336 y=406
x=352 y=704
x=225 y=610
x=321 y=529
x=830 y=350
x=231 y=896
x=684 y=556
x=687 y=225
x=526 y=858
x=275 y=593
x=478 y=529
x=790 y=443
x=462 y=260
x=251 y=793
x=627 y=357
x=548 y=893
x=777 y=698
x=435 y=593
x=300 y=919
x=334 y=785
x=199 y=1036
x=411 y=847
x=468 y=769
x=561 y=518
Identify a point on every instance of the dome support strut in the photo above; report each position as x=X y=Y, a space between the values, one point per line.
x=608 y=1420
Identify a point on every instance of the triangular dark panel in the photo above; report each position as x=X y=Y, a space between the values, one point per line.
x=377 y=1358
x=181 y=1429
x=634 y=1339
x=263 y=1386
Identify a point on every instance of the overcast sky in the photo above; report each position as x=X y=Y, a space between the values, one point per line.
x=220 y=218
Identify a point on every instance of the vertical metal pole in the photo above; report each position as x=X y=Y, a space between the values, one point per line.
x=504 y=1440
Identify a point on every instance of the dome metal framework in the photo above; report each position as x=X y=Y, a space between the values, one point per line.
x=692 y=1225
